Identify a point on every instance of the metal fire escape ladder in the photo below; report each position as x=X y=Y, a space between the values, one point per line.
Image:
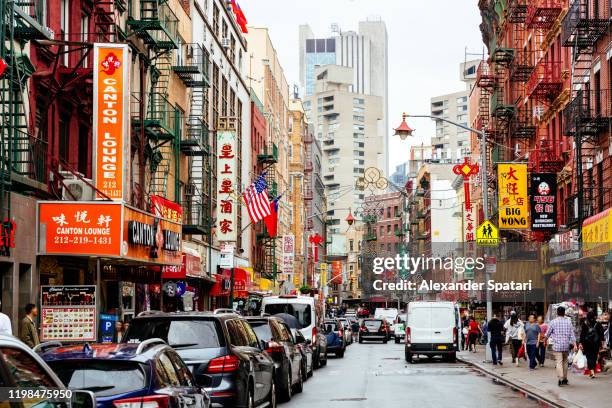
x=106 y=15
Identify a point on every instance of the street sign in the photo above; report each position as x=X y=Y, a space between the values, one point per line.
x=491 y=263
x=487 y=235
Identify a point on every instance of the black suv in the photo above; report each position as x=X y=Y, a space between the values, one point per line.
x=222 y=347
x=285 y=352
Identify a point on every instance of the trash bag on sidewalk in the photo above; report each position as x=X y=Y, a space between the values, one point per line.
x=580 y=360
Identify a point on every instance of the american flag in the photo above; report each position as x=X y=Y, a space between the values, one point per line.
x=256 y=199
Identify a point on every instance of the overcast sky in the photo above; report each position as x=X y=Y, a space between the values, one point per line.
x=427 y=41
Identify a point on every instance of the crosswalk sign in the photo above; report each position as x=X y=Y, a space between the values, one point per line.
x=487 y=235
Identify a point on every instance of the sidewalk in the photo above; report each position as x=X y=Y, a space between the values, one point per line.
x=582 y=392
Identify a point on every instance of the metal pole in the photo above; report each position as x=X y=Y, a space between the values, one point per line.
x=485 y=204
x=231 y=297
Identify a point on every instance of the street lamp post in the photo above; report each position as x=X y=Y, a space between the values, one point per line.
x=403 y=131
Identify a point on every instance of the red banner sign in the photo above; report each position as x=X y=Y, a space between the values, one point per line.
x=167 y=209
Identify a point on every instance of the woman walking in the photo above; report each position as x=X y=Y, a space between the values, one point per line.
x=591 y=339
x=514 y=332
x=532 y=336
x=473 y=331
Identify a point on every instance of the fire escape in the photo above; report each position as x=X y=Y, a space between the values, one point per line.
x=22 y=155
x=589 y=110
x=192 y=67
x=308 y=195
x=267 y=160
x=153 y=116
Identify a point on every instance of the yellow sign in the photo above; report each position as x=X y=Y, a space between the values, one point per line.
x=487 y=235
x=597 y=234
x=323 y=267
x=513 y=198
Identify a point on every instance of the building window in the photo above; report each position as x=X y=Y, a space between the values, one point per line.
x=65 y=27
x=351 y=245
x=216 y=20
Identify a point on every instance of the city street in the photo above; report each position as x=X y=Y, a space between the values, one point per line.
x=376 y=375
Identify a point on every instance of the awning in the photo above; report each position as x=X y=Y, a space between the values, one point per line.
x=242 y=283
x=222 y=285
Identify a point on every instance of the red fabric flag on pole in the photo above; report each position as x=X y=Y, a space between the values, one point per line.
x=271 y=220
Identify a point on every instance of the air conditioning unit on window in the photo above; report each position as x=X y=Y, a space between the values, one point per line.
x=225 y=42
x=77 y=190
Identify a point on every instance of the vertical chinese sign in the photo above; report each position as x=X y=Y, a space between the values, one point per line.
x=336 y=273
x=543 y=195
x=110 y=120
x=513 y=199
x=227 y=169
x=288 y=253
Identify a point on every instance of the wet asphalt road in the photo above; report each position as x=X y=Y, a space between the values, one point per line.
x=376 y=375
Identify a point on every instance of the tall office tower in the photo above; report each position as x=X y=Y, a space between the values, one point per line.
x=366 y=51
x=451 y=144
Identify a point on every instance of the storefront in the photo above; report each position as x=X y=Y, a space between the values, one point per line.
x=186 y=287
x=119 y=249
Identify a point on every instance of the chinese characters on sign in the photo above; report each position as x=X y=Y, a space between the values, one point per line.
x=166 y=209
x=227 y=169
x=513 y=200
x=469 y=224
x=80 y=228
x=110 y=120
x=288 y=253
x=543 y=194
x=597 y=234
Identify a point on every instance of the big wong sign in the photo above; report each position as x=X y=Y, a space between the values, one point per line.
x=107 y=229
x=110 y=120
x=513 y=199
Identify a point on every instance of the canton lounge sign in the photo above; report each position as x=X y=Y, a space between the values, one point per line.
x=152 y=235
x=543 y=202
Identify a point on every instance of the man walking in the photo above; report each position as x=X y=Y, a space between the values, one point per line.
x=561 y=331
x=495 y=329
x=28 y=332
x=532 y=335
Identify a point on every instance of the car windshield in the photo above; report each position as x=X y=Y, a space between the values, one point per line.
x=181 y=333
x=262 y=330
x=103 y=378
x=372 y=324
x=301 y=311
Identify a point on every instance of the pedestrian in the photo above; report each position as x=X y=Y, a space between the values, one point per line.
x=561 y=332
x=514 y=334
x=355 y=329
x=542 y=342
x=5 y=324
x=465 y=330
x=28 y=333
x=591 y=340
x=495 y=329
x=473 y=331
x=118 y=331
x=485 y=332
x=532 y=336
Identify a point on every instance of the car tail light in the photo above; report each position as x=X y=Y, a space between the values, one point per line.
x=340 y=333
x=408 y=338
x=455 y=333
x=274 y=347
x=151 y=401
x=314 y=335
x=363 y=329
x=223 y=364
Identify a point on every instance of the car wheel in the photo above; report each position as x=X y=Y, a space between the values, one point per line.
x=360 y=340
x=272 y=396
x=315 y=362
x=452 y=358
x=397 y=340
x=385 y=341
x=287 y=389
x=324 y=362
x=408 y=356
x=299 y=386
x=340 y=353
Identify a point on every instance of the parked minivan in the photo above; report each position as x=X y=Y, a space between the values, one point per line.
x=431 y=330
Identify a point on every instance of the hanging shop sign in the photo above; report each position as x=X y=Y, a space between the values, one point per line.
x=513 y=200
x=336 y=273
x=543 y=199
x=227 y=168
x=288 y=242
x=7 y=236
x=151 y=239
x=487 y=235
x=597 y=234
x=323 y=273
x=107 y=229
x=68 y=313
x=226 y=256
x=564 y=247
x=110 y=120
x=470 y=225
x=167 y=209
x=191 y=267
x=79 y=228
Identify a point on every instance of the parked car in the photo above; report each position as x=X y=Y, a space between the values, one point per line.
x=222 y=347
x=432 y=330
x=148 y=374
x=387 y=313
x=348 y=333
x=223 y=311
x=374 y=329
x=308 y=316
x=23 y=368
x=305 y=347
x=399 y=328
x=289 y=373
x=334 y=331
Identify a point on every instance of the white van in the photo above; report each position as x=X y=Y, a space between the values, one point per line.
x=432 y=329
x=387 y=313
x=302 y=307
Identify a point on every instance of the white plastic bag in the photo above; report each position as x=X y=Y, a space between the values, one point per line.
x=580 y=360
x=570 y=358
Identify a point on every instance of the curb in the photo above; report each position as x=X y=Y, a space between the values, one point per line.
x=532 y=392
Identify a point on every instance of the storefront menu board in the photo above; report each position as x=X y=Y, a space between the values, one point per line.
x=68 y=313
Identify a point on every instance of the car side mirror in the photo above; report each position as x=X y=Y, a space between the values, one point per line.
x=308 y=341
x=83 y=399
x=299 y=340
x=203 y=380
x=263 y=344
